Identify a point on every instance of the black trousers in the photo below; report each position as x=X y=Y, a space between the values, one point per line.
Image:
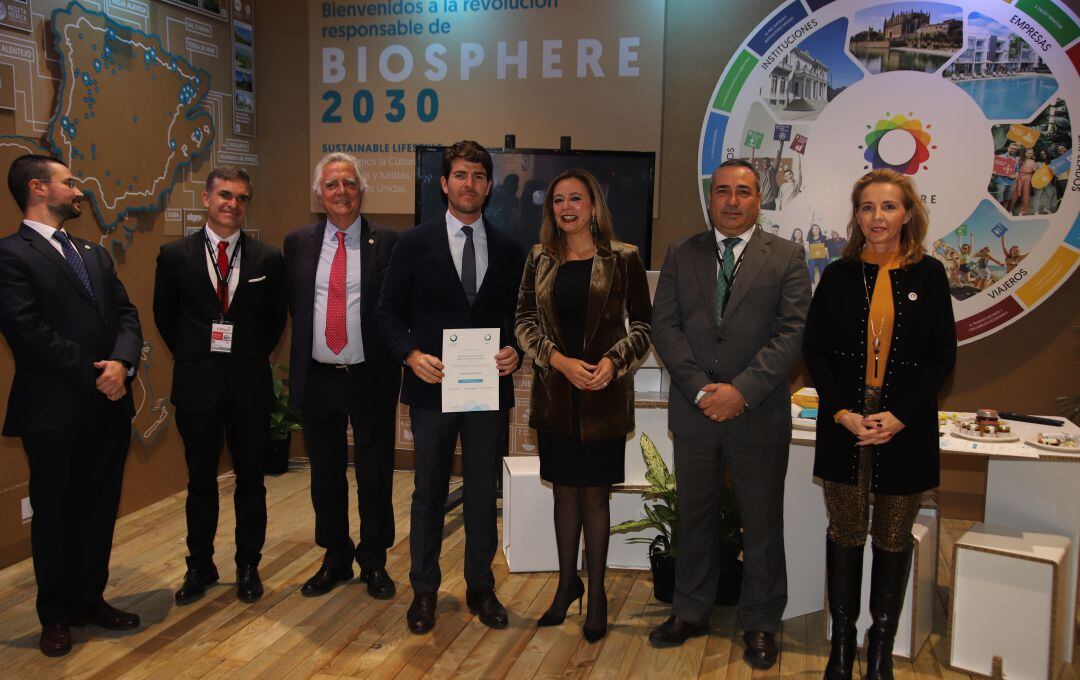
x=205 y=433
x=758 y=482
x=435 y=434
x=75 y=480
x=332 y=399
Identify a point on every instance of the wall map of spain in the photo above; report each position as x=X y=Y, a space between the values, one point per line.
x=99 y=59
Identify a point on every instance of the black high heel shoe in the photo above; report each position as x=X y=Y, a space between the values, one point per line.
x=594 y=634
x=553 y=617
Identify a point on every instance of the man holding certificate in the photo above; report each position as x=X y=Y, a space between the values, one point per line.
x=447 y=311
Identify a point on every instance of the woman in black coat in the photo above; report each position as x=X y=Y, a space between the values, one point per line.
x=880 y=342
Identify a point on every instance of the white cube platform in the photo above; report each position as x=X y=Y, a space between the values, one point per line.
x=1009 y=601
x=528 y=535
x=916 y=618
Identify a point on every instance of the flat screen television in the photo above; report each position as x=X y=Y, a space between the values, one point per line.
x=515 y=204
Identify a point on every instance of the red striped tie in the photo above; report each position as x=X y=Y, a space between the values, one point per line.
x=337 y=336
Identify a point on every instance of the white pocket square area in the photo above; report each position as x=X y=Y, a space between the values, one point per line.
x=257 y=279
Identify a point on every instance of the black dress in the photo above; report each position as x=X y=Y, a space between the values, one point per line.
x=568 y=460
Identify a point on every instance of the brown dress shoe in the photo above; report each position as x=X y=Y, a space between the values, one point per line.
x=675 y=631
x=483 y=603
x=107 y=616
x=55 y=639
x=421 y=614
x=760 y=649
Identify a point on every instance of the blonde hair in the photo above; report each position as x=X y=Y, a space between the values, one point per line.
x=551 y=235
x=912 y=232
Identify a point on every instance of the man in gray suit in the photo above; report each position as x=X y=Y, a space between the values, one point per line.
x=728 y=323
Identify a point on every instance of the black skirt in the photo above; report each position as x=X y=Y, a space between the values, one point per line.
x=566 y=459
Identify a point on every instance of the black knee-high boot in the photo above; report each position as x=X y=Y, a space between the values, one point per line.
x=843 y=570
x=888 y=581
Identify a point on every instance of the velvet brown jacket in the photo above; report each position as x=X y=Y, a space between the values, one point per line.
x=617 y=289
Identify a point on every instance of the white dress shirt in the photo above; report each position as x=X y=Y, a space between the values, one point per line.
x=230 y=249
x=737 y=250
x=457 y=245
x=353 y=352
x=47 y=233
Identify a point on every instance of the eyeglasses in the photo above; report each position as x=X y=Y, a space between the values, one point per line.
x=70 y=182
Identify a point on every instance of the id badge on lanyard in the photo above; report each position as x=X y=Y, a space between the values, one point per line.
x=221 y=331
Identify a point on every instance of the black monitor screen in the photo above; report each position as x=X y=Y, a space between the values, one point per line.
x=516 y=203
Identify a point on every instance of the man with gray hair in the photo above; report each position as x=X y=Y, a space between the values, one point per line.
x=341 y=372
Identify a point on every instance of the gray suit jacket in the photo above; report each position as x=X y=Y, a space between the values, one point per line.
x=753 y=348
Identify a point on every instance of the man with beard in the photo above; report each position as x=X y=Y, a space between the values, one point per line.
x=454 y=271
x=76 y=341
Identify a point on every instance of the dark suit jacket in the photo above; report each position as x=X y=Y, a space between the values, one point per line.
x=423 y=295
x=753 y=348
x=185 y=306
x=302 y=248
x=617 y=288
x=57 y=332
x=922 y=353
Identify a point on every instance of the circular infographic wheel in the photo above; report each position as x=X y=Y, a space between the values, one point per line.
x=971 y=99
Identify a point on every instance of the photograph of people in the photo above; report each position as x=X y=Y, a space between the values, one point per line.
x=790 y=184
x=1022 y=190
x=584 y=359
x=878 y=379
x=835 y=244
x=818 y=253
x=1012 y=254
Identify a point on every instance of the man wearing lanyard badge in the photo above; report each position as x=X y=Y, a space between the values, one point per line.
x=219 y=305
x=729 y=363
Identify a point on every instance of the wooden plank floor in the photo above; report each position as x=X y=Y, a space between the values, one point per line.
x=348 y=634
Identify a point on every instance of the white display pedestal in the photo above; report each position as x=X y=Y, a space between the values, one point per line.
x=1009 y=603
x=916 y=618
x=528 y=536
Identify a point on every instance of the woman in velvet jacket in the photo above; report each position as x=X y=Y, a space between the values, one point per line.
x=880 y=343
x=579 y=285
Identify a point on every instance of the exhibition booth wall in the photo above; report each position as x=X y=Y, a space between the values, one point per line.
x=275 y=133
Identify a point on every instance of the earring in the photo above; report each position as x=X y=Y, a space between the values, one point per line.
x=592 y=226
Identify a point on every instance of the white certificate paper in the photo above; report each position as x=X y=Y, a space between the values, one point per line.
x=470 y=376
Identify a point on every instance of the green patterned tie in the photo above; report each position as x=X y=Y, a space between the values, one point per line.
x=727 y=269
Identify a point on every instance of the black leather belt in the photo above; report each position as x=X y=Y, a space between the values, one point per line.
x=337 y=368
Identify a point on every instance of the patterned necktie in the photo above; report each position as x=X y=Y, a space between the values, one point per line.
x=468 y=265
x=73 y=259
x=337 y=336
x=223 y=271
x=724 y=276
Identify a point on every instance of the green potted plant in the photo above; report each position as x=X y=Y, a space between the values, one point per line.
x=660 y=512
x=284 y=420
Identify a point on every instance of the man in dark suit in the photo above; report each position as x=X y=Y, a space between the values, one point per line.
x=728 y=321
x=76 y=341
x=454 y=271
x=219 y=304
x=341 y=372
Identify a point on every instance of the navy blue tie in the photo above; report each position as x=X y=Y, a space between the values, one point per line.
x=72 y=256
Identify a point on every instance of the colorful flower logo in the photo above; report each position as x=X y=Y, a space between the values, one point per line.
x=898 y=143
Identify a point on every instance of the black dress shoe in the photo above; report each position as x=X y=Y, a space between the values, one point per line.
x=379 y=584
x=760 y=649
x=675 y=631
x=421 y=614
x=325 y=579
x=485 y=605
x=195 y=583
x=107 y=616
x=55 y=639
x=249 y=586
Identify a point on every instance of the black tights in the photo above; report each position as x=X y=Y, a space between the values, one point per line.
x=578 y=507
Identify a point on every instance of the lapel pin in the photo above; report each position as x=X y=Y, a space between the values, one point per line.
x=371 y=241
x=912 y=296
x=86 y=246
